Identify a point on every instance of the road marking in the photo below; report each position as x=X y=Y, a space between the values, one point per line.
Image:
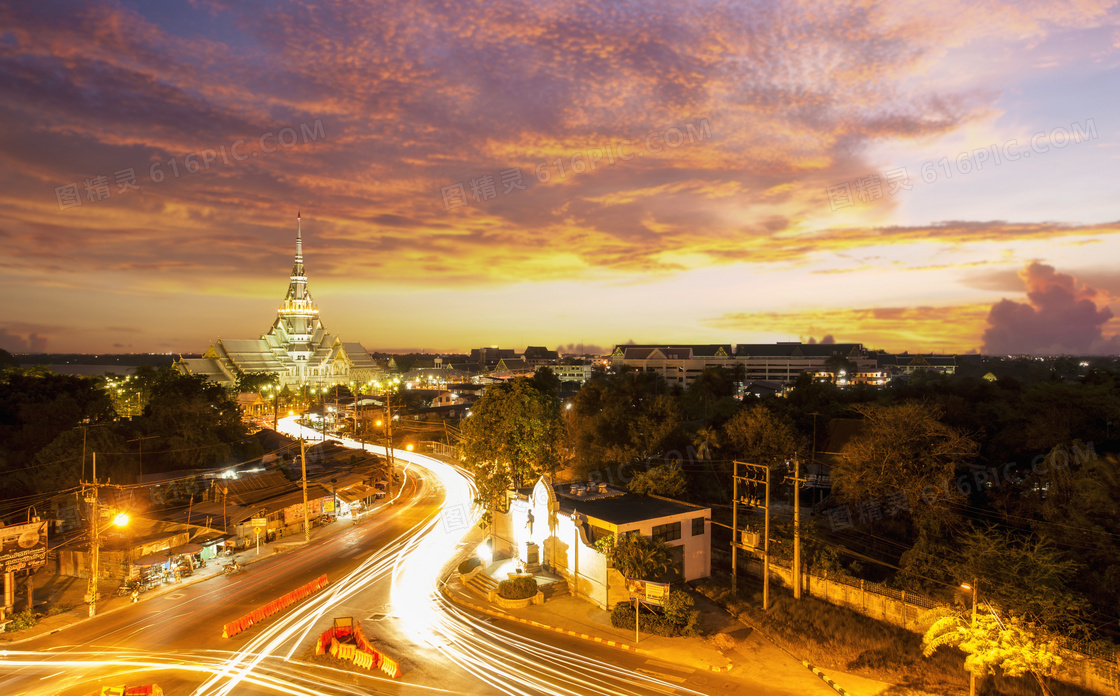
x=670 y=665
x=667 y=677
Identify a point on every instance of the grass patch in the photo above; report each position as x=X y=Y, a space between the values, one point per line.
x=838 y=638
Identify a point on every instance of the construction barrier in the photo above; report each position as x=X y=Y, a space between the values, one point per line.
x=143 y=690
x=360 y=652
x=277 y=605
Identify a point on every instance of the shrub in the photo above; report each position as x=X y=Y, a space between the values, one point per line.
x=59 y=609
x=22 y=620
x=469 y=565
x=517 y=588
x=676 y=618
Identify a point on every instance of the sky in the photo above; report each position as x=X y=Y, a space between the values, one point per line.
x=909 y=175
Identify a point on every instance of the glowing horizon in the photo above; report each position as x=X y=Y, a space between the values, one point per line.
x=904 y=176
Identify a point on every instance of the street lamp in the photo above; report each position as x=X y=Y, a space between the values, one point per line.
x=120 y=520
x=971 y=674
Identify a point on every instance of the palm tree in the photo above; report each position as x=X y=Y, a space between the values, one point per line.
x=639 y=557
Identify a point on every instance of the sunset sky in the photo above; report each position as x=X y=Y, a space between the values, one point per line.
x=910 y=175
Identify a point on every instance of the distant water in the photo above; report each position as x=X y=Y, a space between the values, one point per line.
x=89 y=370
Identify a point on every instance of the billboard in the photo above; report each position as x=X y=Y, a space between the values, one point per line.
x=648 y=592
x=24 y=546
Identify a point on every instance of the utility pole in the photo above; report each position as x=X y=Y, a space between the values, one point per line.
x=306 y=519
x=140 y=458
x=389 y=442
x=94 y=544
x=971 y=674
x=797 y=482
x=735 y=531
x=757 y=474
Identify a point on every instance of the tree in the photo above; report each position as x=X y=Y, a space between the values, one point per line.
x=756 y=434
x=198 y=421
x=1027 y=575
x=513 y=435
x=901 y=447
x=619 y=419
x=59 y=466
x=547 y=381
x=636 y=556
x=7 y=360
x=660 y=480
x=256 y=381
x=1012 y=646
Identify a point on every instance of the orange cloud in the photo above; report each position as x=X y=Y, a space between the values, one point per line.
x=918 y=329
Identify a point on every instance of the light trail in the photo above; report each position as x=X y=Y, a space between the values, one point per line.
x=414 y=562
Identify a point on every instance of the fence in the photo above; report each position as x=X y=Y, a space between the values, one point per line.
x=440 y=448
x=1085 y=665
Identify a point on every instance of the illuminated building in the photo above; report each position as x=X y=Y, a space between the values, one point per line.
x=296 y=349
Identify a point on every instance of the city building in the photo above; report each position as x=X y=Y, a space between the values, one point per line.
x=297 y=349
x=571 y=373
x=907 y=364
x=489 y=357
x=678 y=364
x=536 y=356
x=785 y=362
x=560 y=523
x=765 y=363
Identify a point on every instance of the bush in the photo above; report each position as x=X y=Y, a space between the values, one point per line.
x=59 y=609
x=469 y=565
x=518 y=588
x=676 y=618
x=22 y=620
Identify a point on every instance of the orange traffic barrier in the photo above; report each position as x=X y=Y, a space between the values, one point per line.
x=258 y=615
x=361 y=653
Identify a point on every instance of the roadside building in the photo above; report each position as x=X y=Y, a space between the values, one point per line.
x=558 y=525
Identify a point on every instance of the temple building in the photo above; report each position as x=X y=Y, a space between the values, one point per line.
x=297 y=349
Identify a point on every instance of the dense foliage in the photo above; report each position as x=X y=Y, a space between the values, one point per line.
x=52 y=425
x=518 y=588
x=513 y=435
x=676 y=618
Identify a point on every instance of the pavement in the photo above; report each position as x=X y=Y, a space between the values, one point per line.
x=743 y=651
x=61 y=591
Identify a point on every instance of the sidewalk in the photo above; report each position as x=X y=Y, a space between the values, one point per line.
x=59 y=590
x=753 y=654
x=582 y=619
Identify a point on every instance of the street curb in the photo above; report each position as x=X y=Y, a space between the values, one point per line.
x=825 y=678
x=166 y=589
x=585 y=636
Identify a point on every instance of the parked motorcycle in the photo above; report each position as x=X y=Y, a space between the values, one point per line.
x=232 y=568
x=127 y=588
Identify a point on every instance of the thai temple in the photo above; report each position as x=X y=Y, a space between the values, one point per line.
x=297 y=349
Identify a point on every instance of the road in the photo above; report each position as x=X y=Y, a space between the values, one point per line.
x=384 y=573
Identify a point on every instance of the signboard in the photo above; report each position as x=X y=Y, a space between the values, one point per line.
x=294 y=513
x=260 y=521
x=648 y=592
x=24 y=546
